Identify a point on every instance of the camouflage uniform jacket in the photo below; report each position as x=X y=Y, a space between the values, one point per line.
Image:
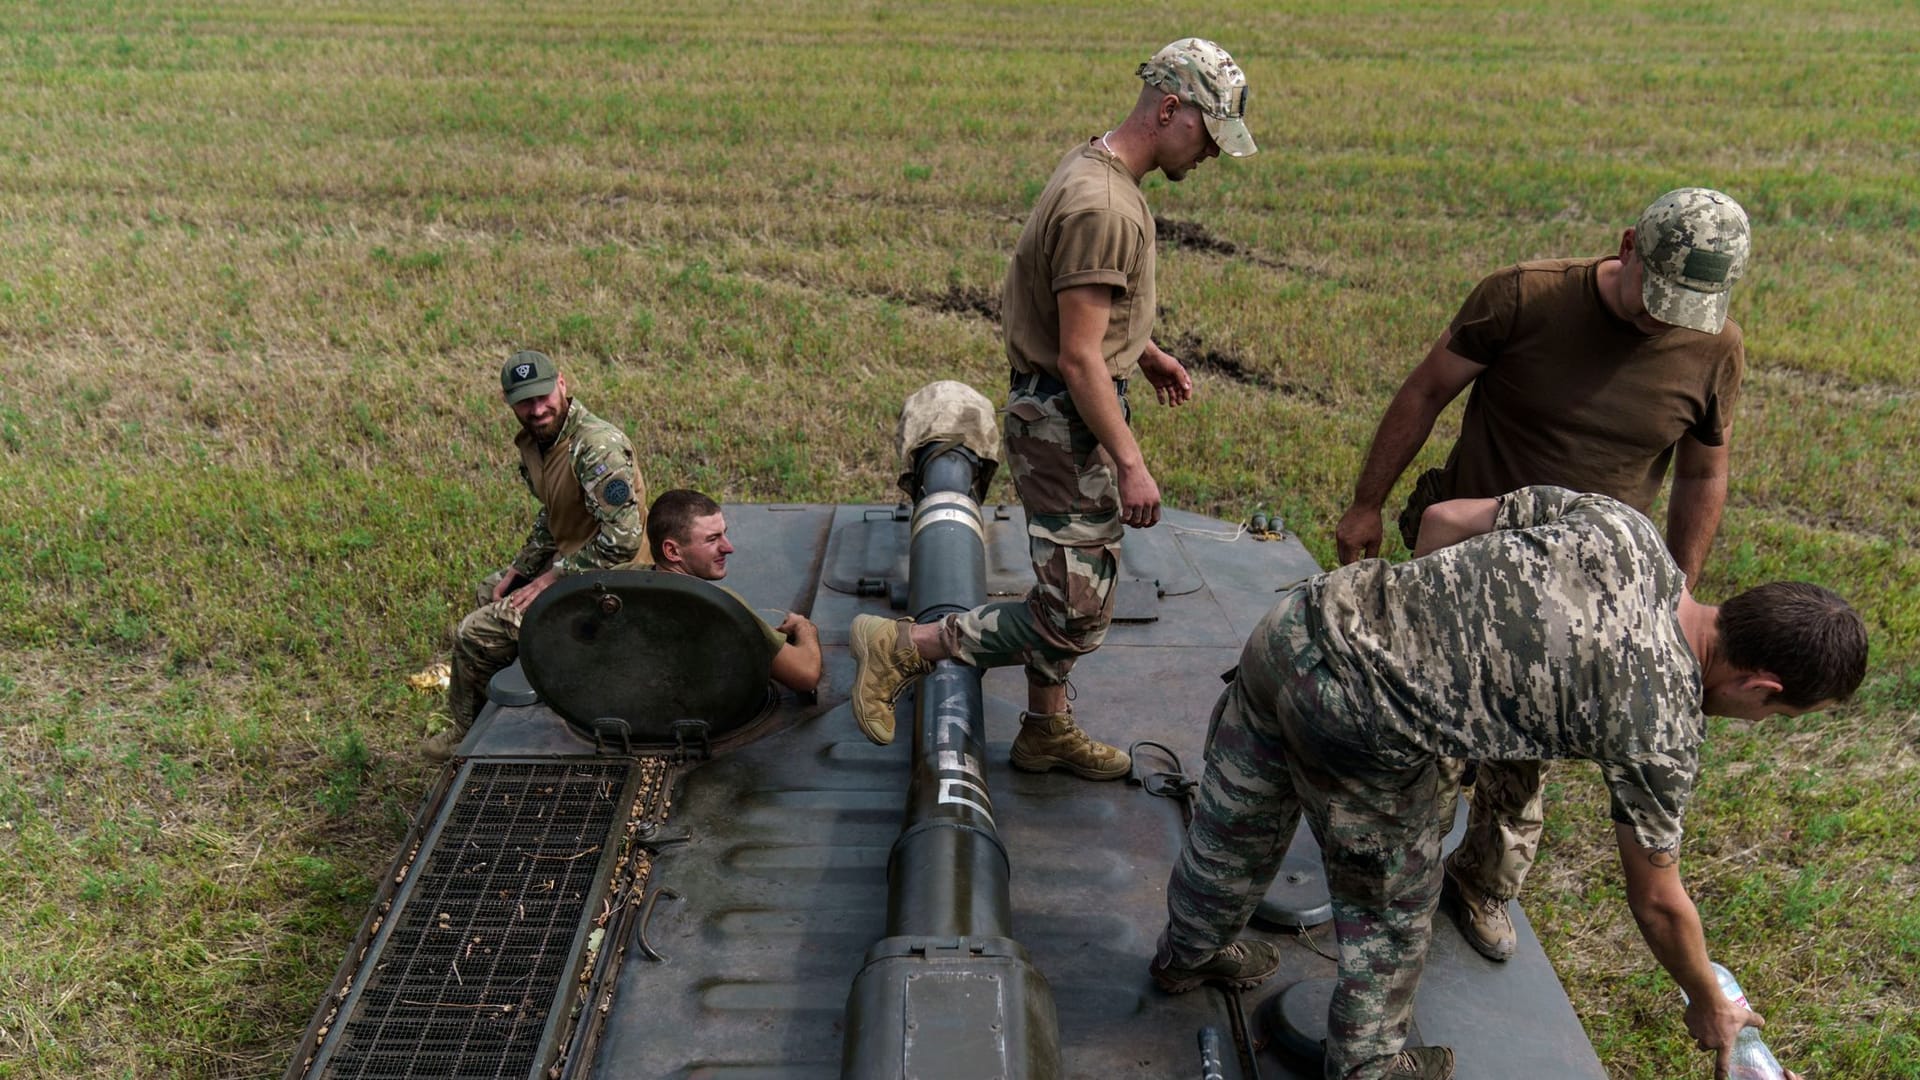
x=1554 y=636
x=590 y=495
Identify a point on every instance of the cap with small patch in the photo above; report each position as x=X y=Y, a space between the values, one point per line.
x=527 y=374
x=1694 y=244
x=1198 y=71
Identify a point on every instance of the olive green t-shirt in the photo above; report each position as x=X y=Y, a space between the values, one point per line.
x=1091 y=226
x=1573 y=396
x=775 y=640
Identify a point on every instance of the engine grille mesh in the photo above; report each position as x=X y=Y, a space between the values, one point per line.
x=463 y=986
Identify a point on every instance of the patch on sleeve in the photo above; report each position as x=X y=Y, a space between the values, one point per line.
x=616 y=492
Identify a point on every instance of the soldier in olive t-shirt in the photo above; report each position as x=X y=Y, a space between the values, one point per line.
x=1590 y=374
x=688 y=534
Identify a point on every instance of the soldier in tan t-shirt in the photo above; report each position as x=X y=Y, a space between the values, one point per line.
x=1078 y=307
x=1595 y=375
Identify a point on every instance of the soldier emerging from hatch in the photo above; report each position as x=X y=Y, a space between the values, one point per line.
x=1541 y=624
x=1078 y=305
x=688 y=535
x=1591 y=374
x=581 y=470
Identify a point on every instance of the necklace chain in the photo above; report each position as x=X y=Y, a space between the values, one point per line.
x=1108 y=145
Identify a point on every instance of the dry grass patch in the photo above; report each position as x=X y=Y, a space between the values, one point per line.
x=258 y=262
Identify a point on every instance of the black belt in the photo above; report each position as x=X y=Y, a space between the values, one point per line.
x=1045 y=385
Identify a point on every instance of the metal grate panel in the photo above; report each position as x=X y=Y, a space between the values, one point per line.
x=464 y=985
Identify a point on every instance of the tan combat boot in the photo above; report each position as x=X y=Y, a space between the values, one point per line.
x=440 y=745
x=1053 y=741
x=1483 y=919
x=882 y=667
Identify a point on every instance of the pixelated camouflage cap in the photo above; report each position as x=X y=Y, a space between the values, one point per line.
x=948 y=413
x=1198 y=71
x=1694 y=244
x=527 y=374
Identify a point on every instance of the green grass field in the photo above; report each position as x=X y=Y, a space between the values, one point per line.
x=259 y=264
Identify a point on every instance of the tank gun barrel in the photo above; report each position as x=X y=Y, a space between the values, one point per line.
x=948 y=871
x=948 y=984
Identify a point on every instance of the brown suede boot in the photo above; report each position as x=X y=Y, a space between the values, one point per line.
x=1053 y=741
x=1423 y=1063
x=1483 y=919
x=882 y=667
x=440 y=745
x=1242 y=965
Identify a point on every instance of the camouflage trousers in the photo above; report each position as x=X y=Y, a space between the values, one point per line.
x=485 y=641
x=1505 y=817
x=1504 y=821
x=1065 y=481
x=1288 y=741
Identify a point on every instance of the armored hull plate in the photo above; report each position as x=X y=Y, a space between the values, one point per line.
x=776 y=851
x=783 y=872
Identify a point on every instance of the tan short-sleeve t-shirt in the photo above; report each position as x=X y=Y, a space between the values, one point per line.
x=1091 y=226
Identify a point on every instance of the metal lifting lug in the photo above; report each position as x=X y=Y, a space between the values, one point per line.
x=690 y=740
x=1170 y=785
x=611 y=731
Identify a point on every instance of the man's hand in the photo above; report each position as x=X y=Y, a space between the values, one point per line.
x=506 y=583
x=798 y=628
x=1445 y=524
x=1139 y=498
x=531 y=591
x=796 y=665
x=1169 y=378
x=1715 y=1023
x=1358 y=534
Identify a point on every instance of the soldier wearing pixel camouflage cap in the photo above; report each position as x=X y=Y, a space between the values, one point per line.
x=1541 y=624
x=1595 y=375
x=1078 y=306
x=581 y=470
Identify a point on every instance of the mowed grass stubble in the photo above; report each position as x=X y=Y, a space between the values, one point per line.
x=259 y=262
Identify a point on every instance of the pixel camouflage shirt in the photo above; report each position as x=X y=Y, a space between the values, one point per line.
x=1554 y=636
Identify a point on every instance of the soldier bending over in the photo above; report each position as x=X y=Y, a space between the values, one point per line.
x=1556 y=625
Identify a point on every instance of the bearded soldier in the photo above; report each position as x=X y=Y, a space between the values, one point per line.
x=581 y=470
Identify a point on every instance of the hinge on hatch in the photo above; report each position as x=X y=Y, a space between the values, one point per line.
x=609 y=730
x=691 y=741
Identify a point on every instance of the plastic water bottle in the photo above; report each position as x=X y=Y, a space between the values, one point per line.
x=1751 y=1058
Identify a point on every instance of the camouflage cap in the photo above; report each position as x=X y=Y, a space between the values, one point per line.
x=949 y=413
x=1198 y=71
x=1694 y=244
x=527 y=374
